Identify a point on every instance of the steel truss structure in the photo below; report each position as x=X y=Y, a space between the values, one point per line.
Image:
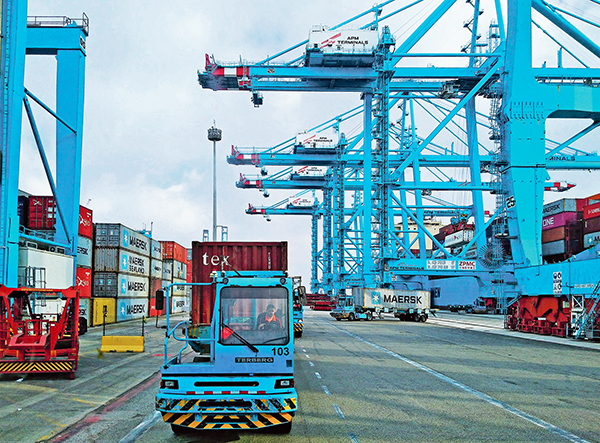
x=481 y=154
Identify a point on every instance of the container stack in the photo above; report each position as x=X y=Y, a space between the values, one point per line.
x=156 y=277
x=83 y=272
x=121 y=273
x=561 y=229
x=591 y=225
x=175 y=267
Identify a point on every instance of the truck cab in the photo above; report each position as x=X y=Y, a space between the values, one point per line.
x=298 y=306
x=237 y=372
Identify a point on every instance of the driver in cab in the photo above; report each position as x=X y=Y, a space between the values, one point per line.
x=267 y=321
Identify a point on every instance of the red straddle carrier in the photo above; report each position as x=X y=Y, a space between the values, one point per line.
x=35 y=338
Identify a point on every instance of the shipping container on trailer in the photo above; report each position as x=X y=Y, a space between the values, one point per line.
x=86 y=224
x=114 y=285
x=100 y=306
x=83 y=282
x=84 y=252
x=57 y=268
x=116 y=235
x=240 y=256
x=173 y=251
x=559 y=220
x=120 y=260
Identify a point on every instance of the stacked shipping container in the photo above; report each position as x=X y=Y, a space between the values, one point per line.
x=156 y=277
x=175 y=271
x=83 y=272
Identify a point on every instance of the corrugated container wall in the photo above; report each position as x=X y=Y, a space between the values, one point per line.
x=86 y=225
x=112 y=285
x=243 y=256
x=42 y=212
x=591 y=225
x=173 y=251
x=84 y=252
x=83 y=282
x=116 y=235
x=559 y=220
x=591 y=211
x=118 y=260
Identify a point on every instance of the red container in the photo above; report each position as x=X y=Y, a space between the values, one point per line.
x=42 y=212
x=555 y=234
x=83 y=282
x=559 y=220
x=188 y=273
x=243 y=256
x=173 y=251
x=591 y=225
x=86 y=227
x=591 y=211
x=155 y=284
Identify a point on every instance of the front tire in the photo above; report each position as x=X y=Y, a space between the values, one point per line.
x=351 y=317
x=179 y=430
x=285 y=428
x=369 y=316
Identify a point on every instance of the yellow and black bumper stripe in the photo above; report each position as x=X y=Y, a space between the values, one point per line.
x=227 y=421
x=262 y=405
x=36 y=366
x=298 y=327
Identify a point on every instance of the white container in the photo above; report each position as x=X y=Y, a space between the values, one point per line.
x=359 y=41
x=120 y=260
x=52 y=270
x=310 y=171
x=313 y=139
x=116 y=235
x=179 y=290
x=189 y=255
x=301 y=202
x=51 y=308
x=111 y=284
x=564 y=205
x=131 y=308
x=167 y=271
x=155 y=249
x=84 y=252
x=85 y=310
x=391 y=298
x=156 y=269
x=180 y=304
x=177 y=269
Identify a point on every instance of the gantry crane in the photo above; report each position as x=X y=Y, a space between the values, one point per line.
x=398 y=185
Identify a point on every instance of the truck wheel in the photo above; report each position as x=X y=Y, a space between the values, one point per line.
x=285 y=428
x=351 y=317
x=179 y=430
x=369 y=316
x=424 y=318
x=338 y=319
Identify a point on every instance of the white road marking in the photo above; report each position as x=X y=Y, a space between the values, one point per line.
x=318 y=375
x=141 y=428
x=339 y=411
x=326 y=390
x=353 y=438
x=530 y=418
x=311 y=363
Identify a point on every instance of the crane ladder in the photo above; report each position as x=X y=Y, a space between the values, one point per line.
x=589 y=316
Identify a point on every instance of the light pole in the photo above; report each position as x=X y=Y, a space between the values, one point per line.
x=214 y=135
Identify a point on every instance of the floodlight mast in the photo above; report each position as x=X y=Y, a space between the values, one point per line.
x=214 y=135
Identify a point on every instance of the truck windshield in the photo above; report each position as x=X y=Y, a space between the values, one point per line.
x=257 y=314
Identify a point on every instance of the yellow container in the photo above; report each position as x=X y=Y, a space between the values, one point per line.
x=98 y=312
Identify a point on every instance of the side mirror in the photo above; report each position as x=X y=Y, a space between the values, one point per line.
x=160 y=300
x=302 y=295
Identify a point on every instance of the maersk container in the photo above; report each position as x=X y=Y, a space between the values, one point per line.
x=84 y=252
x=564 y=205
x=459 y=238
x=57 y=268
x=559 y=220
x=391 y=299
x=115 y=235
x=114 y=285
x=241 y=256
x=176 y=269
x=85 y=310
x=156 y=269
x=179 y=290
x=120 y=260
x=591 y=225
x=83 y=282
x=167 y=271
x=173 y=251
x=131 y=308
x=591 y=239
x=156 y=249
x=180 y=304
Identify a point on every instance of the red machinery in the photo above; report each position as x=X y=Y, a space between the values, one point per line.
x=33 y=342
x=546 y=315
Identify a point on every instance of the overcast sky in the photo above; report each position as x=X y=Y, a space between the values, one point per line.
x=146 y=157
